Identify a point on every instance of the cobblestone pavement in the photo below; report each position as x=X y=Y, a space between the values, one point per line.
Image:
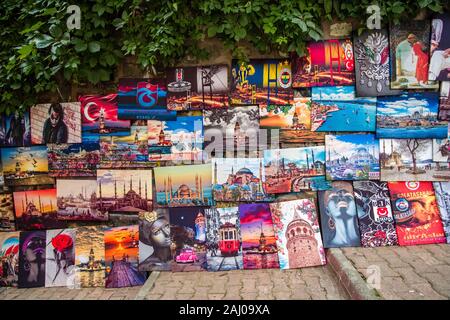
x=415 y=272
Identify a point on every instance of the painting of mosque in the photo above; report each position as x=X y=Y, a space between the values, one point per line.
x=410 y=160
x=188 y=234
x=297 y=230
x=73 y=160
x=352 y=157
x=183 y=186
x=238 y=179
x=9 y=258
x=265 y=82
x=411 y=115
x=178 y=140
x=7 y=220
x=196 y=88
x=285 y=170
x=90 y=257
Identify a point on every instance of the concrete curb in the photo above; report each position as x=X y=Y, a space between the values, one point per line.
x=148 y=285
x=349 y=277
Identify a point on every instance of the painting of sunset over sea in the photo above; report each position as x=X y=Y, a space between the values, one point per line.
x=258 y=237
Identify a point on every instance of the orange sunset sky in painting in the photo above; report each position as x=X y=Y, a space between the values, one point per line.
x=252 y=217
x=117 y=241
x=285 y=121
x=48 y=200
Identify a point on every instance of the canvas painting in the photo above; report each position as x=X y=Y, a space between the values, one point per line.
x=372 y=64
x=338 y=216
x=60 y=258
x=238 y=179
x=90 y=257
x=143 y=99
x=266 y=82
x=410 y=55
x=416 y=213
x=224 y=250
x=99 y=117
x=183 y=186
x=2 y=178
x=441 y=150
x=235 y=128
x=337 y=109
x=36 y=209
x=410 y=115
x=15 y=130
x=444 y=101
x=32 y=259
x=410 y=160
x=188 y=233
x=9 y=259
x=298 y=235
x=376 y=222
x=327 y=63
x=25 y=166
x=179 y=140
x=286 y=170
x=154 y=241
x=196 y=88
x=259 y=246
x=130 y=151
x=122 y=257
x=352 y=157
x=440 y=48
x=73 y=160
x=56 y=123
x=442 y=192
x=7 y=220
x=77 y=200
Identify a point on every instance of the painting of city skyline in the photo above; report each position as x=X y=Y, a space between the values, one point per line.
x=442 y=192
x=73 y=160
x=297 y=230
x=9 y=258
x=60 y=258
x=352 y=157
x=90 y=257
x=183 y=186
x=15 y=130
x=338 y=109
x=412 y=115
x=7 y=220
x=444 y=101
x=285 y=170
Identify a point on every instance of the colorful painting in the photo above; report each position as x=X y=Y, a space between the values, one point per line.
x=15 y=130
x=32 y=259
x=7 y=220
x=297 y=231
x=337 y=109
x=122 y=257
x=99 y=117
x=352 y=157
x=36 y=209
x=25 y=166
x=266 y=82
x=376 y=222
x=286 y=170
x=410 y=115
x=130 y=151
x=56 y=123
x=410 y=160
x=238 y=179
x=441 y=149
x=60 y=258
x=188 y=233
x=338 y=216
x=90 y=257
x=442 y=192
x=259 y=247
x=409 y=51
x=196 y=88
x=77 y=200
x=73 y=160
x=154 y=241
x=444 y=101
x=9 y=259
x=372 y=64
x=183 y=186
x=440 y=48
x=143 y=99
x=416 y=213
x=178 y=140
x=327 y=63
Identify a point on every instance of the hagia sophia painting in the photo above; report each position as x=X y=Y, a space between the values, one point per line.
x=183 y=186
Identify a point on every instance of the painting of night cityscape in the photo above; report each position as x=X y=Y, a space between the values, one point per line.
x=411 y=115
x=352 y=157
x=286 y=169
x=73 y=160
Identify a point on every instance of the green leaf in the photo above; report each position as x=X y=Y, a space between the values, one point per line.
x=80 y=45
x=212 y=30
x=24 y=51
x=328 y=6
x=94 y=46
x=55 y=31
x=43 y=41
